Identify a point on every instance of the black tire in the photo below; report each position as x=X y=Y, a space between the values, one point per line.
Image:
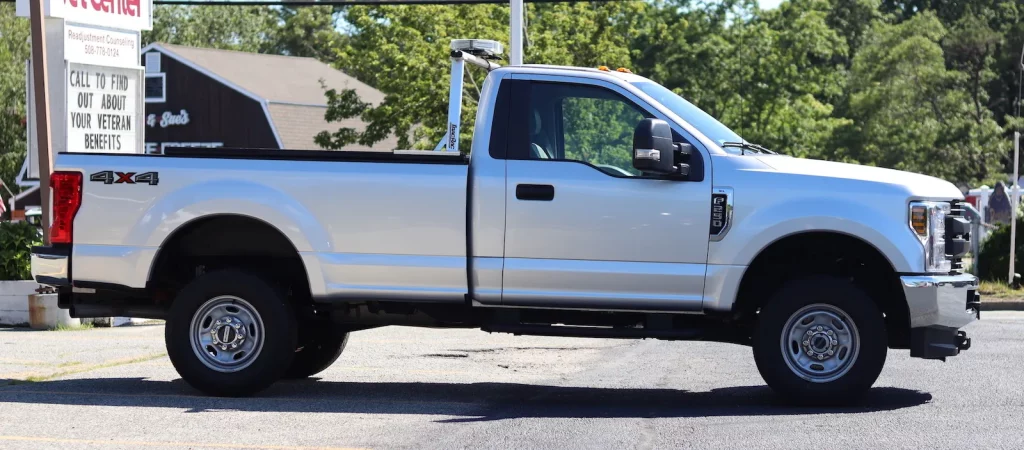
x=806 y=386
x=264 y=366
x=322 y=348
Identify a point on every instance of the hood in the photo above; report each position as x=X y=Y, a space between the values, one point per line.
x=916 y=184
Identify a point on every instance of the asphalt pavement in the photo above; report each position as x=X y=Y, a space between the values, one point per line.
x=415 y=388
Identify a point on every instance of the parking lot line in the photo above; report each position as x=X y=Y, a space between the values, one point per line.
x=161 y=444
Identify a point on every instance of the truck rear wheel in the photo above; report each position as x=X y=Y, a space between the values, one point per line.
x=820 y=341
x=229 y=333
x=322 y=348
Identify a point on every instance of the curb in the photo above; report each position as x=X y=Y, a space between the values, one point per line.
x=1002 y=306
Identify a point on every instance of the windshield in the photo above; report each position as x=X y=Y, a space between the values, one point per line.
x=693 y=115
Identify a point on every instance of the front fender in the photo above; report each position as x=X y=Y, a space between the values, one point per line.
x=884 y=227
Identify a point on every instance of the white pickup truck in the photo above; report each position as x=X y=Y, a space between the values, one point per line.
x=594 y=203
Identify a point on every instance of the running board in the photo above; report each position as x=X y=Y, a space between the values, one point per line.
x=594 y=332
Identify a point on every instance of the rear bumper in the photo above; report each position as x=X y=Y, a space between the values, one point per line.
x=939 y=306
x=52 y=265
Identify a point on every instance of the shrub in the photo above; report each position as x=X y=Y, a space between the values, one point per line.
x=994 y=256
x=16 y=241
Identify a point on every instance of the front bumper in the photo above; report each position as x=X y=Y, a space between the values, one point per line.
x=939 y=306
x=51 y=265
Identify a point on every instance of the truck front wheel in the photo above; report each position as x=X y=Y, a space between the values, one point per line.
x=820 y=341
x=230 y=333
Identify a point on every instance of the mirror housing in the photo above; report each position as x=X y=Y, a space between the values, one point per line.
x=653 y=150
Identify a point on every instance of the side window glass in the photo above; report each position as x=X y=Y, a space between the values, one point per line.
x=583 y=123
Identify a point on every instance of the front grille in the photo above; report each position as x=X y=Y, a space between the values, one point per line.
x=958 y=235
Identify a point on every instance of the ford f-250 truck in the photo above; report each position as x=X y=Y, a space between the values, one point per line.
x=594 y=203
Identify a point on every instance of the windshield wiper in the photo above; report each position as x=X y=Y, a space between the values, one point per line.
x=748 y=146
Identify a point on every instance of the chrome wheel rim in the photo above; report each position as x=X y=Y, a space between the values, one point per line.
x=227 y=334
x=820 y=343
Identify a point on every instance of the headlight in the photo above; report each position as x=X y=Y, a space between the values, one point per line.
x=928 y=220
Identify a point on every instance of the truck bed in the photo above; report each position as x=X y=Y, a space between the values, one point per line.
x=366 y=224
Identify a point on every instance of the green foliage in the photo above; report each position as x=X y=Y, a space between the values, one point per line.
x=310 y=31
x=243 y=28
x=911 y=112
x=16 y=241
x=599 y=131
x=994 y=256
x=340 y=106
x=14 y=51
x=921 y=85
x=401 y=51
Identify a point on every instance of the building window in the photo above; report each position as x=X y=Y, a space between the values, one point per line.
x=153 y=62
x=156 y=87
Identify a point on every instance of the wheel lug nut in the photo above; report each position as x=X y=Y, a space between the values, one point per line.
x=831 y=352
x=821 y=357
x=820 y=328
x=830 y=332
x=807 y=343
x=834 y=342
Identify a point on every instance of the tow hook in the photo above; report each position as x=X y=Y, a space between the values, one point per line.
x=962 y=341
x=975 y=304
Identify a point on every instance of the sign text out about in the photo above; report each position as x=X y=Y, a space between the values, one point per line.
x=102 y=106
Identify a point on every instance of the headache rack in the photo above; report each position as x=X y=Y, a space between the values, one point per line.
x=477 y=52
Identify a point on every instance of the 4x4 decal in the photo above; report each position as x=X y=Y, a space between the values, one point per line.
x=111 y=177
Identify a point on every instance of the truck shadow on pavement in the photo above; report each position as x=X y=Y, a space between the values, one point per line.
x=465 y=402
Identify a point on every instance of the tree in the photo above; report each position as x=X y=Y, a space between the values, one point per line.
x=912 y=113
x=771 y=77
x=401 y=50
x=242 y=28
x=310 y=31
x=851 y=19
x=409 y=45
x=14 y=51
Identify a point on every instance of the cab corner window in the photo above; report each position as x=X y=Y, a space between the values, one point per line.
x=582 y=123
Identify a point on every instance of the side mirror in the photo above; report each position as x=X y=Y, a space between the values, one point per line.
x=653 y=150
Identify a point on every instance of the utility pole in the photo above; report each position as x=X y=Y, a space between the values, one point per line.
x=42 y=110
x=1014 y=204
x=1016 y=158
x=515 y=40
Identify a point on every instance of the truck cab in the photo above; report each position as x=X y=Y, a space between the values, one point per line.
x=593 y=203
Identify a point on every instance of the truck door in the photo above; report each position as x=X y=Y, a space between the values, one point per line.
x=584 y=229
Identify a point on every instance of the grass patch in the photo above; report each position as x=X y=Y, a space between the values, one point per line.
x=85 y=368
x=999 y=291
x=79 y=327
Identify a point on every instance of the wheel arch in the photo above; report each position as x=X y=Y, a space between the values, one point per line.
x=808 y=253
x=226 y=239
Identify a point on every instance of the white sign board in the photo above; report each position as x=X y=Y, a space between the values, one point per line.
x=101 y=46
x=104 y=108
x=122 y=14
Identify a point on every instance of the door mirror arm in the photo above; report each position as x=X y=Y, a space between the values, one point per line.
x=681 y=156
